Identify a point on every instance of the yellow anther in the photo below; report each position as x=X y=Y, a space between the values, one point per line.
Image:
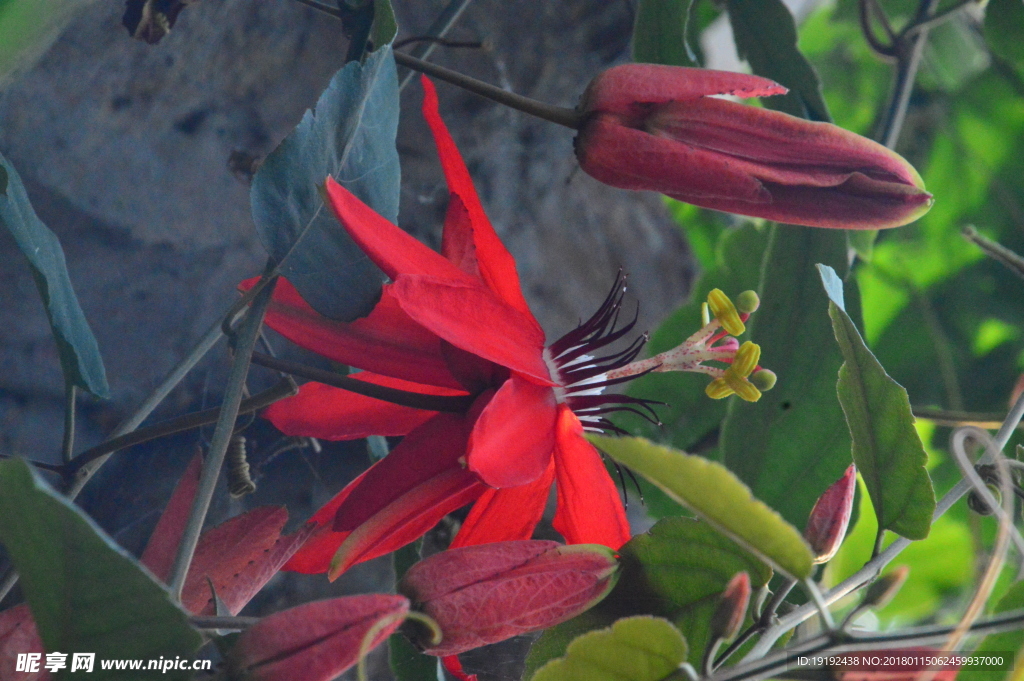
x=705 y=314
x=725 y=312
x=745 y=361
x=718 y=389
x=742 y=387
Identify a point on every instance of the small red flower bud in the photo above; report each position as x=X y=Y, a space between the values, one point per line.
x=488 y=593
x=732 y=607
x=655 y=127
x=316 y=641
x=826 y=526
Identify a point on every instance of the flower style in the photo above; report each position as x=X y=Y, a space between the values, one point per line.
x=455 y=324
x=648 y=126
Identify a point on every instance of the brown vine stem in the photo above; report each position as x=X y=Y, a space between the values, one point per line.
x=555 y=114
x=456 y=403
x=175 y=425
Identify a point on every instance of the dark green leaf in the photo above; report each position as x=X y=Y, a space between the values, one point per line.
x=688 y=414
x=352 y=138
x=765 y=36
x=714 y=494
x=85 y=592
x=658 y=33
x=886 y=447
x=79 y=355
x=384 y=25
x=634 y=649
x=1004 y=25
x=682 y=566
x=793 y=443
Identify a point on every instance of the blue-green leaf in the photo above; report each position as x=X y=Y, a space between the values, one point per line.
x=86 y=594
x=351 y=137
x=886 y=446
x=79 y=355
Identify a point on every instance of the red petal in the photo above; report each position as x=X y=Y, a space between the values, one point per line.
x=621 y=88
x=589 y=508
x=163 y=543
x=315 y=554
x=18 y=635
x=425 y=453
x=496 y=265
x=506 y=514
x=512 y=440
x=407 y=517
x=391 y=248
x=454 y=667
x=474 y=319
x=386 y=341
x=331 y=413
x=457 y=238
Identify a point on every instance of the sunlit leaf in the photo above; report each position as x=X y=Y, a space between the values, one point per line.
x=27 y=29
x=85 y=592
x=714 y=493
x=886 y=447
x=79 y=355
x=633 y=649
x=350 y=137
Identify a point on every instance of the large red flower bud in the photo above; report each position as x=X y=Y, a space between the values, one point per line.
x=826 y=526
x=488 y=593
x=647 y=126
x=316 y=641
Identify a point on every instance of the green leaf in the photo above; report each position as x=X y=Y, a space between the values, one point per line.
x=27 y=29
x=688 y=414
x=86 y=594
x=1004 y=25
x=683 y=565
x=711 y=491
x=766 y=37
x=384 y=25
x=793 y=443
x=658 y=33
x=999 y=643
x=352 y=138
x=886 y=447
x=79 y=355
x=633 y=649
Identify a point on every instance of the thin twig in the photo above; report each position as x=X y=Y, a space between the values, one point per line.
x=222 y=622
x=556 y=114
x=865 y=8
x=908 y=59
x=954 y=418
x=195 y=355
x=1001 y=254
x=936 y=19
x=1004 y=533
x=175 y=425
x=457 y=404
x=440 y=27
x=246 y=341
x=68 y=445
x=8 y=582
x=321 y=7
